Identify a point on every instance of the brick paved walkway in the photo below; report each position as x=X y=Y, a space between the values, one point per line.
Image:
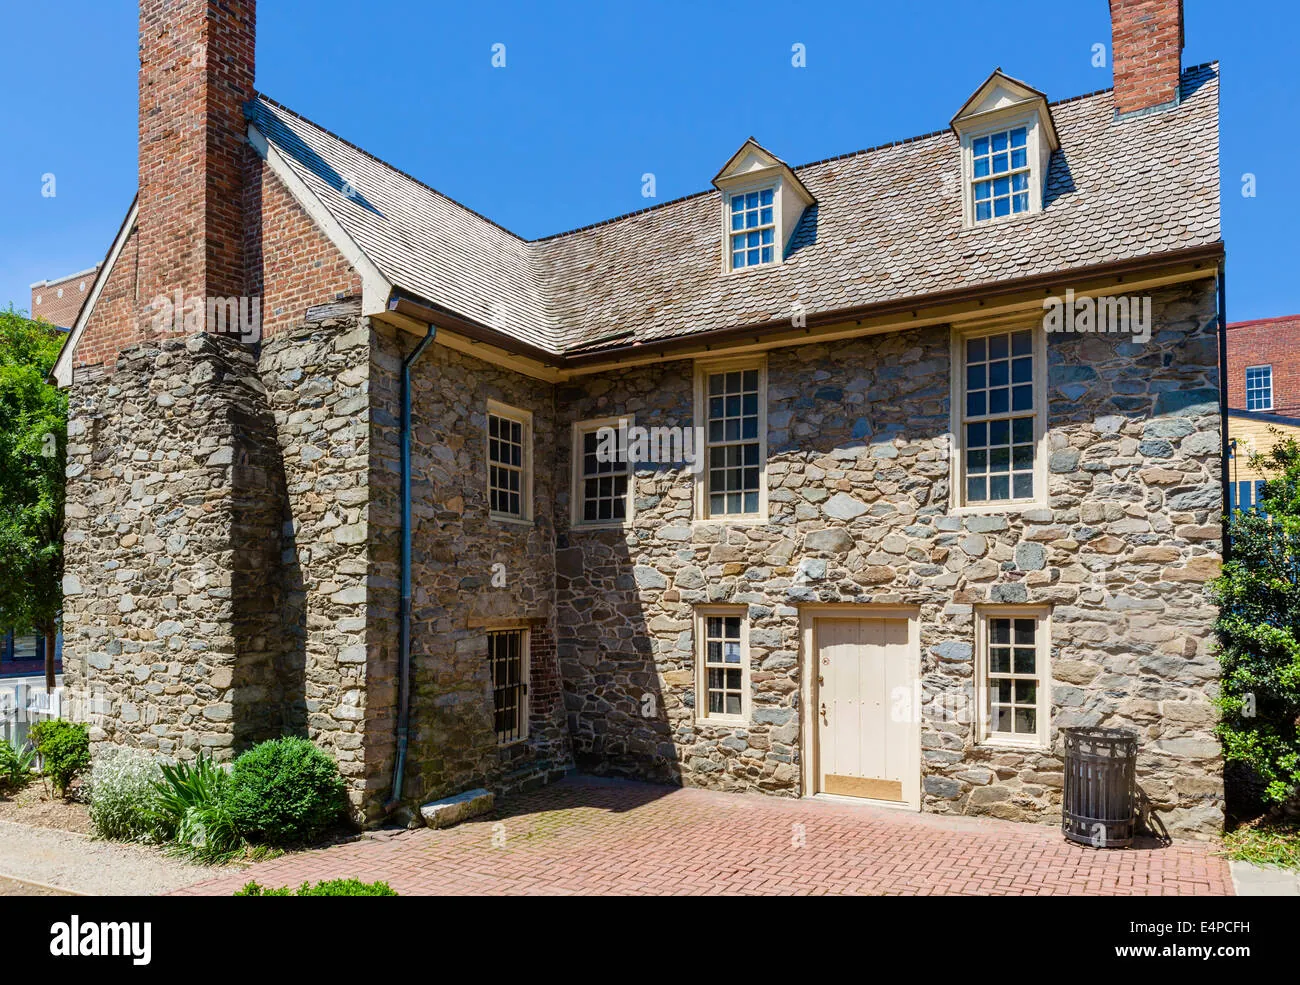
x=587 y=836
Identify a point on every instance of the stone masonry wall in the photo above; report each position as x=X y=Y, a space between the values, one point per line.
x=170 y=600
x=453 y=743
x=858 y=476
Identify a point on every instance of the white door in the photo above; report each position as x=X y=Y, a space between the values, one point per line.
x=868 y=743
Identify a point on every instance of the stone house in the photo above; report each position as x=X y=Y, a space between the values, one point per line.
x=883 y=531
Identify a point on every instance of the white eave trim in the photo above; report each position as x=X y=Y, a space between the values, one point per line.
x=62 y=373
x=375 y=287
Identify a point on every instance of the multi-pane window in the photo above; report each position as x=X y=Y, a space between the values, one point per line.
x=998 y=417
x=753 y=229
x=1014 y=678
x=1259 y=387
x=603 y=474
x=508 y=440
x=1000 y=173
x=508 y=660
x=724 y=677
x=735 y=444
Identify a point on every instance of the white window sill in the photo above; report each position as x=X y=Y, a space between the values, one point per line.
x=984 y=509
x=579 y=527
x=1008 y=744
x=733 y=520
x=724 y=722
x=999 y=221
x=518 y=521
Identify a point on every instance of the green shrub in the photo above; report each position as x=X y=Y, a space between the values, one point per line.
x=193 y=801
x=15 y=767
x=326 y=887
x=65 y=751
x=124 y=800
x=284 y=792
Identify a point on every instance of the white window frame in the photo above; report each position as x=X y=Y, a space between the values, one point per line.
x=703 y=370
x=702 y=715
x=577 y=484
x=1043 y=672
x=778 y=248
x=957 y=399
x=1266 y=366
x=525 y=700
x=1034 y=156
x=525 y=418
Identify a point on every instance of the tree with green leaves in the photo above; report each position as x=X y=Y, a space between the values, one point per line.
x=1258 y=629
x=33 y=441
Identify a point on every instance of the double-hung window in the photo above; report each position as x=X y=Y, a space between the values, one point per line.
x=1015 y=704
x=753 y=228
x=730 y=401
x=509 y=461
x=723 y=659
x=602 y=473
x=1259 y=387
x=1000 y=174
x=1000 y=399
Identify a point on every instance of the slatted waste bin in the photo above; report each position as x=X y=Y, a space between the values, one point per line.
x=1099 y=802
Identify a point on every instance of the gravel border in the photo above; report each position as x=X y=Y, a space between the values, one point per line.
x=77 y=863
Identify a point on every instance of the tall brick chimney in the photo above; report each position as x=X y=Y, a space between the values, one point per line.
x=196 y=73
x=1146 y=50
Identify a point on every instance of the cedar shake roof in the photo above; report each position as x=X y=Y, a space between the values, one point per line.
x=887 y=226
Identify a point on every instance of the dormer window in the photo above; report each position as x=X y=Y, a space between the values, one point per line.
x=1000 y=169
x=1007 y=139
x=762 y=203
x=753 y=228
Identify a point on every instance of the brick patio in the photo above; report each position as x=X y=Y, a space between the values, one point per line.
x=587 y=836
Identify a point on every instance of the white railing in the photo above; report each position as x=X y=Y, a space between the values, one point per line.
x=23 y=702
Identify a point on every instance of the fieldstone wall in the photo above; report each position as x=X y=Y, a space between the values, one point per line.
x=170 y=597
x=317 y=381
x=858 y=478
x=458 y=594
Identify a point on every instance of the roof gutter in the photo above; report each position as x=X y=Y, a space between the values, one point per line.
x=404 y=618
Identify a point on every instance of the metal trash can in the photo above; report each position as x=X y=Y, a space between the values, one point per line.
x=1099 y=800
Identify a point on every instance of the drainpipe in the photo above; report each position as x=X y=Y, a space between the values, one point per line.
x=404 y=617
x=1223 y=405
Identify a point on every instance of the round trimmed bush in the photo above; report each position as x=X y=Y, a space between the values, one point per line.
x=284 y=792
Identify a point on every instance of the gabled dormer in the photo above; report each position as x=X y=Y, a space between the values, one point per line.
x=762 y=203
x=1007 y=139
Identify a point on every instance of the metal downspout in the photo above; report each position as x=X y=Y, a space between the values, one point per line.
x=404 y=617
x=1223 y=406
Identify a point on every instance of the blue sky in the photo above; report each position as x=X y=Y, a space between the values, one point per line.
x=595 y=95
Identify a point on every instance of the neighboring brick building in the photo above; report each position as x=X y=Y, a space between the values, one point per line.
x=59 y=301
x=919 y=533
x=1264 y=365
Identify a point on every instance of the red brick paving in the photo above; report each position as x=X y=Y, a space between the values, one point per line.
x=586 y=836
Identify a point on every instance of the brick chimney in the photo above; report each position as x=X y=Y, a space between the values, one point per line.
x=1146 y=50
x=196 y=73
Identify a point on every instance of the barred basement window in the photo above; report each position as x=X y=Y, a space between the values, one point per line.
x=999 y=418
x=723 y=678
x=734 y=419
x=602 y=482
x=508 y=659
x=509 y=454
x=1013 y=661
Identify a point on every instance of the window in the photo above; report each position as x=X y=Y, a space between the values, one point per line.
x=602 y=474
x=732 y=411
x=509 y=462
x=723 y=654
x=1259 y=387
x=508 y=660
x=753 y=228
x=1248 y=494
x=1014 y=703
x=1000 y=174
x=999 y=398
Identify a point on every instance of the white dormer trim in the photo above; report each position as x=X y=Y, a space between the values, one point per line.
x=753 y=168
x=1002 y=103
